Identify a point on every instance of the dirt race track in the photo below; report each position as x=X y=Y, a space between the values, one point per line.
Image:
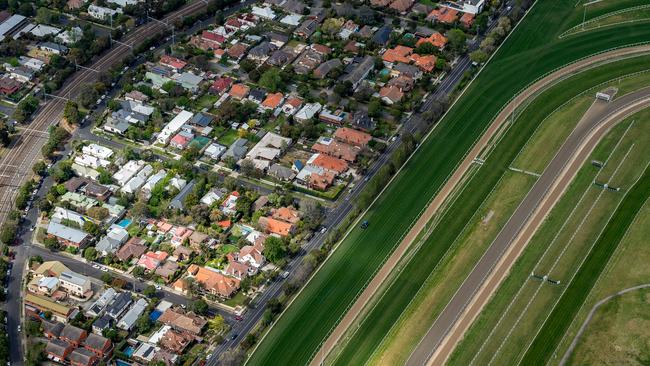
x=426 y=348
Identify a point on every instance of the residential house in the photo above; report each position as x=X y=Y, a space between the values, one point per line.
x=58 y=350
x=167 y=270
x=229 y=205
x=360 y=120
x=273 y=226
x=237 y=51
x=257 y=96
x=214 y=151
x=382 y=35
x=119 y=305
x=281 y=172
x=100 y=346
x=172 y=62
x=73 y=335
x=178 y=202
x=306 y=28
x=184 y=322
x=133 y=248
x=291 y=105
x=239 y=91
x=358 y=70
x=262 y=51
x=221 y=85
x=76 y=285
x=173 y=126
x=401 y=6
x=9 y=86
x=326 y=67
x=102 y=324
x=436 y=39
x=113 y=240
x=252 y=255
x=263 y=12
x=307 y=112
x=51 y=329
x=128 y=320
x=391 y=94
x=352 y=136
x=82 y=357
x=444 y=15
x=215 y=282
x=98 y=307
x=236 y=151
x=467 y=20
x=68 y=236
x=36 y=305
x=102 y=13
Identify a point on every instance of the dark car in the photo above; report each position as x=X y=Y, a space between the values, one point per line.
x=365 y=224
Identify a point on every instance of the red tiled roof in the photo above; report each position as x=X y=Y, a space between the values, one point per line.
x=352 y=136
x=172 y=62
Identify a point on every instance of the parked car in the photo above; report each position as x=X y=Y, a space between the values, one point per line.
x=365 y=224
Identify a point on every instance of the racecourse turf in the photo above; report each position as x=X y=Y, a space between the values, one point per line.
x=560 y=318
x=531 y=51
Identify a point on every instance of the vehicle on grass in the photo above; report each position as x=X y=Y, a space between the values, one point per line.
x=365 y=224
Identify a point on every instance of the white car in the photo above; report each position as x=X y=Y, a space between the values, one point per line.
x=18 y=327
x=104 y=269
x=158 y=287
x=96 y=266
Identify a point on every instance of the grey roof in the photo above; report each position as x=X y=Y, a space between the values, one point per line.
x=129 y=319
x=281 y=172
x=66 y=233
x=360 y=70
x=104 y=322
x=275 y=36
x=8 y=25
x=71 y=332
x=179 y=201
x=53 y=328
x=257 y=94
x=308 y=27
x=237 y=150
x=201 y=119
x=120 y=126
x=361 y=120
x=323 y=69
x=81 y=356
x=382 y=35
x=280 y=58
x=95 y=341
x=407 y=69
x=100 y=304
x=262 y=50
x=53 y=46
x=74 y=278
x=57 y=347
x=119 y=305
x=293 y=6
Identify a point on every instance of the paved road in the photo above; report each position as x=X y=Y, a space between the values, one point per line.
x=539 y=200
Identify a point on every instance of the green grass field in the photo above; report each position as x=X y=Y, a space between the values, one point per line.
x=632 y=14
x=619 y=331
x=542 y=348
x=301 y=329
x=509 y=321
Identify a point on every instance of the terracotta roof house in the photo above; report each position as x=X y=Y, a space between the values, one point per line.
x=273 y=226
x=133 y=248
x=398 y=54
x=391 y=94
x=467 y=20
x=99 y=345
x=239 y=270
x=337 y=149
x=221 y=85
x=217 y=283
x=173 y=62
x=287 y=214
x=321 y=181
x=352 y=136
x=9 y=86
x=436 y=39
x=291 y=105
x=251 y=255
x=425 y=63
x=401 y=6
x=237 y=51
x=273 y=101
x=175 y=341
x=181 y=321
x=443 y=15
x=332 y=164
x=83 y=357
x=239 y=91
x=403 y=82
x=73 y=335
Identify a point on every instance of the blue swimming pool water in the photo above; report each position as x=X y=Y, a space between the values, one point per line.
x=128 y=351
x=119 y=362
x=155 y=315
x=124 y=223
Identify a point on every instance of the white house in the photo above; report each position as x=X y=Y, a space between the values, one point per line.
x=173 y=126
x=102 y=13
x=98 y=151
x=75 y=284
x=308 y=112
x=264 y=12
x=128 y=171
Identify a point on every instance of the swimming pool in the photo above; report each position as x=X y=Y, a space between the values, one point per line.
x=119 y=362
x=128 y=351
x=155 y=315
x=124 y=223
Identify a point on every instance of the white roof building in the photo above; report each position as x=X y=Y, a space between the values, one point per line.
x=98 y=151
x=214 y=151
x=152 y=181
x=129 y=319
x=61 y=214
x=70 y=36
x=42 y=30
x=265 y=12
x=31 y=63
x=123 y=3
x=134 y=184
x=128 y=171
x=91 y=161
x=173 y=126
x=308 y=112
x=100 y=12
x=292 y=20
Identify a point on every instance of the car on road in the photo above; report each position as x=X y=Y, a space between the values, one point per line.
x=158 y=287
x=285 y=274
x=323 y=230
x=32 y=228
x=104 y=269
x=96 y=266
x=233 y=337
x=239 y=318
x=18 y=328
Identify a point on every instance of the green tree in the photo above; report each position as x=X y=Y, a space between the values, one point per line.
x=478 y=56
x=149 y=291
x=457 y=39
x=275 y=249
x=271 y=80
x=90 y=254
x=200 y=307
